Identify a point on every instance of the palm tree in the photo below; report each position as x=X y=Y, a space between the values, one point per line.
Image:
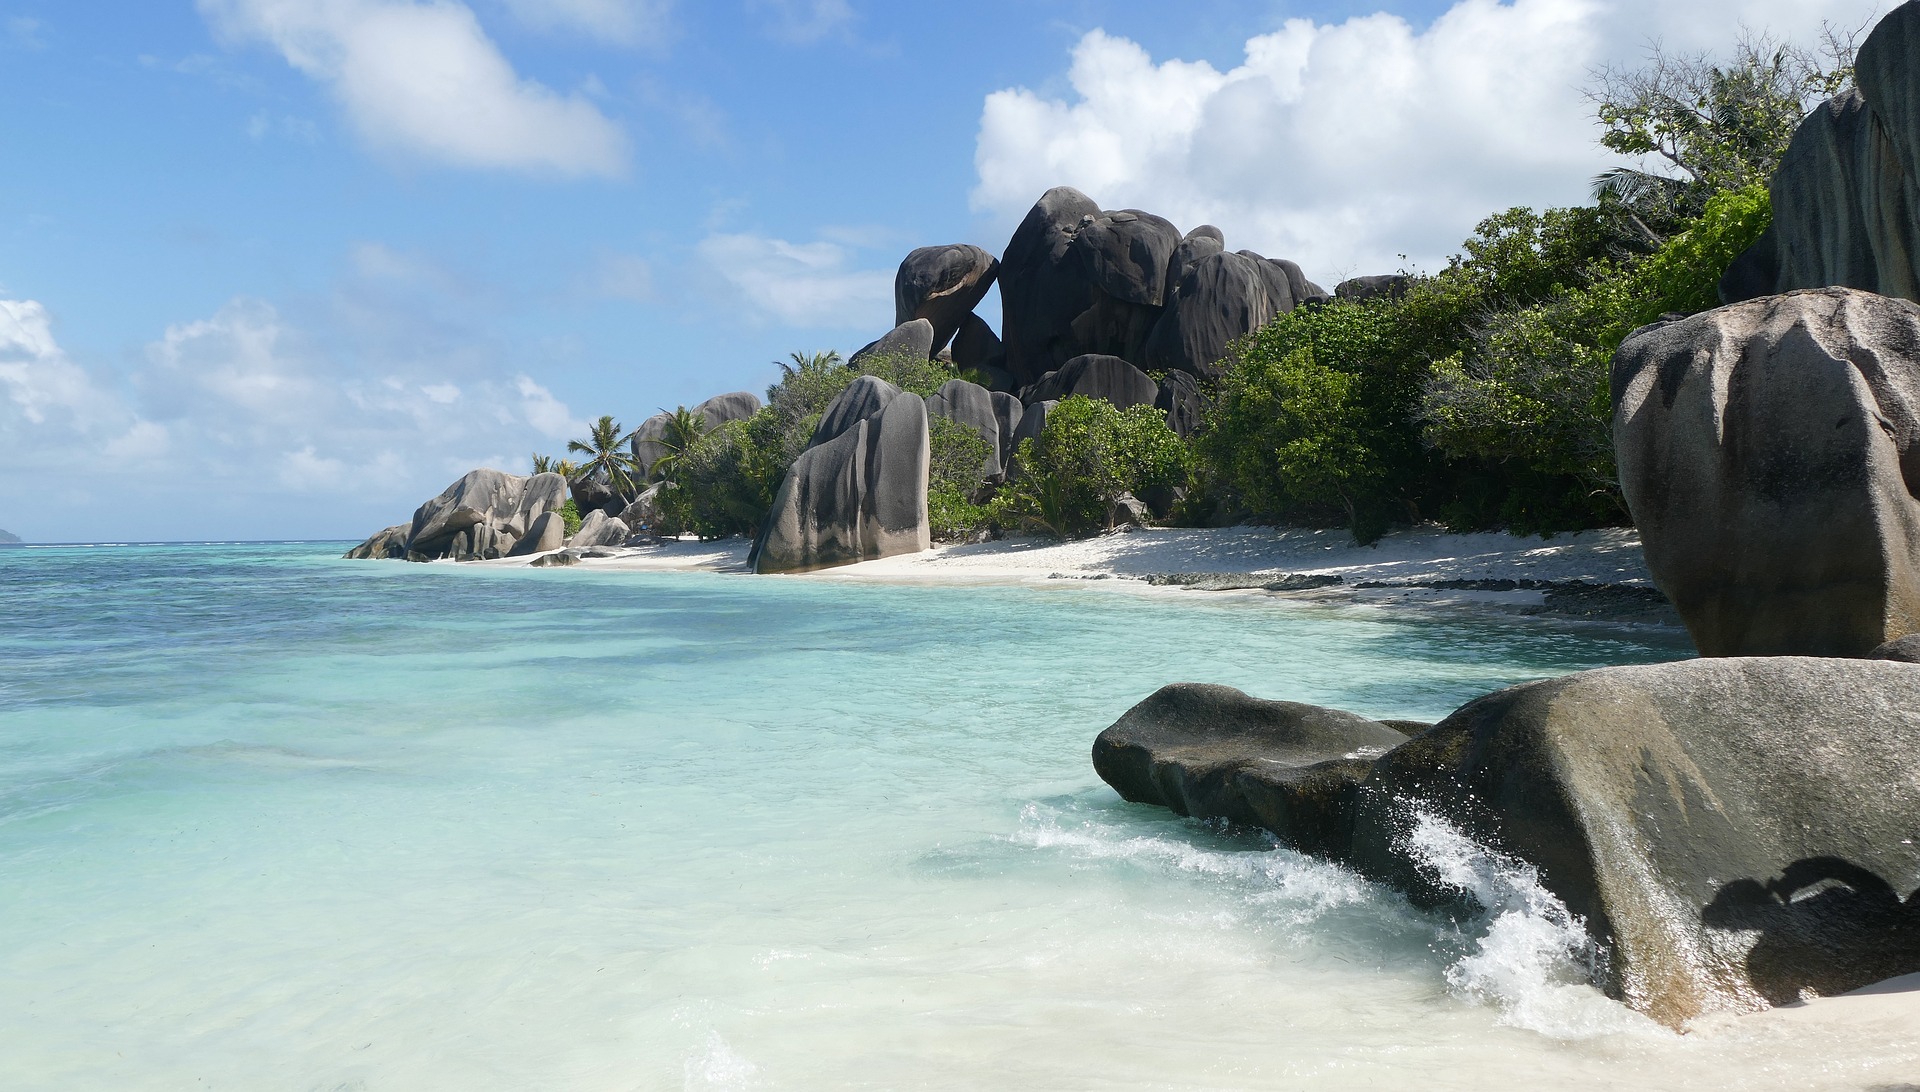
x=683 y=430
x=608 y=458
x=808 y=363
x=542 y=464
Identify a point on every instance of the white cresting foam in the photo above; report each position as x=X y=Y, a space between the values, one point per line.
x=1533 y=958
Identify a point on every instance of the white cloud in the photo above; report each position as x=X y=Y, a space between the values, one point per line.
x=41 y=383
x=624 y=22
x=803 y=22
x=801 y=284
x=423 y=79
x=1343 y=146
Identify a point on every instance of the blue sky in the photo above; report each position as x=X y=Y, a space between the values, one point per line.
x=284 y=268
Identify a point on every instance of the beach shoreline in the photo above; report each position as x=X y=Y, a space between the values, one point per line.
x=1592 y=575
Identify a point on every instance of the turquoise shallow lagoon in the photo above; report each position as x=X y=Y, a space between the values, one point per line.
x=270 y=820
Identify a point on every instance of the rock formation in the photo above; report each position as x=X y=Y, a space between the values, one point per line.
x=598 y=529
x=1096 y=376
x=1386 y=285
x=548 y=533
x=1212 y=752
x=483 y=515
x=977 y=348
x=1179 y=398
x=913 y=338
x=942 y=284
x=974 y=406
x=859 y=491
x=1732 y=832
x=1770 y=453
x=715 y=411
x=1846 y=197
x=1077 y=281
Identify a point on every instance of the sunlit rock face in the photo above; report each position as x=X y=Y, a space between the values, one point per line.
x=1770 y=453
x=1846 y=199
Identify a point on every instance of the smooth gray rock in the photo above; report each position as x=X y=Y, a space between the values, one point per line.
x=1846 y=197
x=715 y=411
x=1042 y=289
x=1220 y=298
x=913 y=338
x=972 y=405
x=1126 y=254
x=1202 y=242
x=1180 y=399
x=1212 y=752
x=548 y=533
x=1770 y=454
x=644 y=513
x=1391 y=286
x=1905 y=649
x=599 y=529
x=558 y=559
x=390 y=544
x=592 y=495
x=865 y=397
x=500 y=505
x=942 y=284
x=977 y=348
x=1734 y=833
x=857 y=495
x=1095 y=376
x=1007 y=413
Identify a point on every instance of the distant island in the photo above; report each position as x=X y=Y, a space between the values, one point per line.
x=8 y=538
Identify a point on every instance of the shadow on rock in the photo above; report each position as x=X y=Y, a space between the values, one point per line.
x=1826 y=926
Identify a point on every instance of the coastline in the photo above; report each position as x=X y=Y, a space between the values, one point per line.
x=1592 y=575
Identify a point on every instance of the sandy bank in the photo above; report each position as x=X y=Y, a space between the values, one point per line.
x=1598 y=575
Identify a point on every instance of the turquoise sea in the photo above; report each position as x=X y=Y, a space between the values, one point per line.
x=272 y=820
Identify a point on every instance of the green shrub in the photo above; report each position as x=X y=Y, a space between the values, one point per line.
x=570 y=517
x=1067 y=479
x=1684 y=275
x=955 y=478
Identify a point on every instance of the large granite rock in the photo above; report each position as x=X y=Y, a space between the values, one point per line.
x=598 y=529
x=1846 y=197
x=913 y=338
x=1180 y=399
x=390 y=544
x=1734 y=832
x=482 y=515
x=1202 y=242
x=1220 y=298
x=859 y=492
x=548 y=533
x=1212 y=752
x=1008 y=412
x=1770 y=453
x=942 y=284
x=1379 y=286
x=715 y=411
x=977 y=348
x=1042 y=287
x=973 y=405
x=1096 y=376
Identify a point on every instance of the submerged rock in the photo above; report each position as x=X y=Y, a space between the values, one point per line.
x=1212 y=752
x=1770 y=454
x=1734 y=833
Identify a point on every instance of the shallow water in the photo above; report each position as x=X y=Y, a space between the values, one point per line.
x=273 y=820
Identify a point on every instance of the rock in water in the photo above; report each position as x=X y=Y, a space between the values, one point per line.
x=859 y=492
x=1734 y=832
x=1770 y=453
x=911 y=339
x=942 y=284
x=385 y=545
x=1212 y=752
x=1096 y=376
x=1846 y=197
x=502 y=504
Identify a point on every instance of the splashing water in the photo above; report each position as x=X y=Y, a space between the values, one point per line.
x=1533 y=958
